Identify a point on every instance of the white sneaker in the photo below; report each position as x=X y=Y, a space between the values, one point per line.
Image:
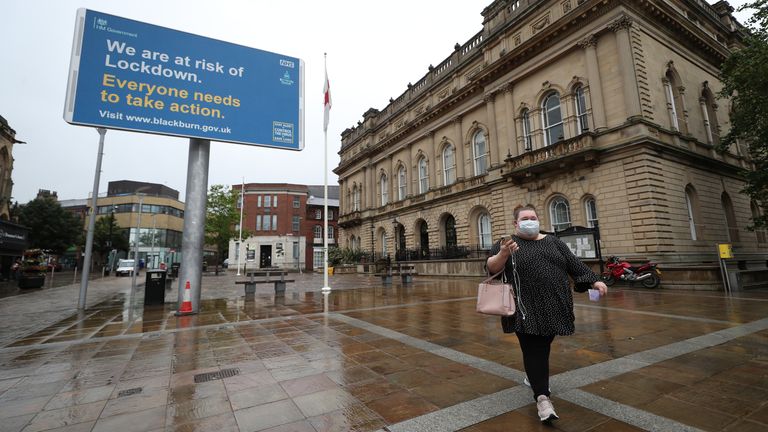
x=527 y=383
x=545 y=408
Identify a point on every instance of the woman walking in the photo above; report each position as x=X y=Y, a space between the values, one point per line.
x=539 y=265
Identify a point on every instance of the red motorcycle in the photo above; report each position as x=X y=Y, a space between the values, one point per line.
x=616 y=269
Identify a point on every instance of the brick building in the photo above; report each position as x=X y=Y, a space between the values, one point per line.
x=589 y=110
x=285 y=223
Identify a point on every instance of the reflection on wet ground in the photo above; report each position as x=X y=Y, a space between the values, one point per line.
x=406 y=357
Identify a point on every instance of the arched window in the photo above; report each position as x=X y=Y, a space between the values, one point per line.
x=553 y=119
x=675 y=107
x=480 y=153
x=450 y=232
x=355 y=198
x=527 y=138
x=449 y=165
x=401 y=183
x=709 y=113
x=384 y=189
x=692 y=205
x=484 y=231
x=590 y=209
x=761 y=235
x=581 y=109
x=423 y=179
x=560 y=214
x=730 y=217
x=318 y=231
x=423 y=240
x=383 y=240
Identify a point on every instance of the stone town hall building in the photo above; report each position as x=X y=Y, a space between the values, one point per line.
x=589 y=110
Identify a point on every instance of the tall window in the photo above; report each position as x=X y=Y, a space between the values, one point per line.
x=710 y=116
x=450 y=232
x=318 y=231
x=296 y=202
x=295 y=224
x=692 y=203
x=318 y=214
x=553 y=119
x=560 y=213
x=383 y=240
x=591 y=211
x=355 y=198
x=730 y=217
x=672 y=89
x=484 y=231
x=330 y=232
x=423 y=179
x=761 y=234
x=480 y=149
x=267 y=223
x=401 y=183
x=384 y=190
x=527 y=138
x=274 y=200
x=267 y=200
x=581 y=109
x=258 y=222
x=449 y=165
x=258 y=201
x=274 y=222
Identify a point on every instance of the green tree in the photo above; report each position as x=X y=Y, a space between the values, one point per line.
x=51 y=227
x=222 y=215
x=745 y=80
x=103 y=242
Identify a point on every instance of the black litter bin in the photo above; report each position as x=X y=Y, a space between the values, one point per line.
x=154 y=290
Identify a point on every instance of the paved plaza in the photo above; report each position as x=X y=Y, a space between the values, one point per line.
x=371 y=357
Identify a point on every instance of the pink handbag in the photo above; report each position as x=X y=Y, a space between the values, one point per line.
x=496 y=297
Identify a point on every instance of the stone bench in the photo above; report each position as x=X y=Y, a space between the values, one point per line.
x=265 y=277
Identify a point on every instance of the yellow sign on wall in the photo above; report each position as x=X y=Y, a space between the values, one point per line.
x=726 y=252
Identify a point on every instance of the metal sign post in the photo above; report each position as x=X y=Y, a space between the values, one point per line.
x=91 y=223
x=193 y=237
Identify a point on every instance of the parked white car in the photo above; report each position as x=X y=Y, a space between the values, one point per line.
x=124 y=267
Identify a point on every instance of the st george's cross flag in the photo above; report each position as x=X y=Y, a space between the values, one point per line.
x=327 y=103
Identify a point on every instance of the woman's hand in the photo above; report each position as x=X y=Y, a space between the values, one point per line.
x=510 y=245
x=600 y=286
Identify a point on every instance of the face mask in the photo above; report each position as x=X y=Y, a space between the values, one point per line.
x=528 y=227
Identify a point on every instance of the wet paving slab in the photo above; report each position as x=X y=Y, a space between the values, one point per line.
x=369 y=357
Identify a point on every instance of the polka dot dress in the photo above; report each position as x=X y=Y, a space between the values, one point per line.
x=543 y=267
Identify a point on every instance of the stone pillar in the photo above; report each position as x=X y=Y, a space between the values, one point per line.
x=391 y=183
x=460 y=159
x=510 y=120
x=595 y=83
x=490 y=109
x=629 y=80
x=409 y=171
x=433 y=166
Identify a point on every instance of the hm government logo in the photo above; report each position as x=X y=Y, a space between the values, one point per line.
x=100 y=23
x=286 y=79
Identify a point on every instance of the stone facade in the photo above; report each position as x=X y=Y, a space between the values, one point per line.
x=589 y=110
x=7 y=140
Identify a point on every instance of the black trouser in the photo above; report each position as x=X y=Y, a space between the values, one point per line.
x=536 y=360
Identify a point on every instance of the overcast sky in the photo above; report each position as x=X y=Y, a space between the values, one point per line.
x=374 y=50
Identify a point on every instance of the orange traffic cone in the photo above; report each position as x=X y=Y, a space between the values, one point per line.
x=186 y=305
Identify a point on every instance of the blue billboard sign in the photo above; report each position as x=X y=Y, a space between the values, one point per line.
x=135 y=76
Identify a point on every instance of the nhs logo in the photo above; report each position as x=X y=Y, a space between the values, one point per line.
x=287 y=63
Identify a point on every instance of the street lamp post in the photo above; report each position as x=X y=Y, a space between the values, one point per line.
x=395 y=226
x=136 y=241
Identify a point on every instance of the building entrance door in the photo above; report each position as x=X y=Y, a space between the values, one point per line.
x=265 y=256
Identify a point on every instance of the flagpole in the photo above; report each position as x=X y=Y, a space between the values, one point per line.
x=240 y=236
x=326 y=106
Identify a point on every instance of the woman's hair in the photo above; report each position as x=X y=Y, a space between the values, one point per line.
x=520 y=208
